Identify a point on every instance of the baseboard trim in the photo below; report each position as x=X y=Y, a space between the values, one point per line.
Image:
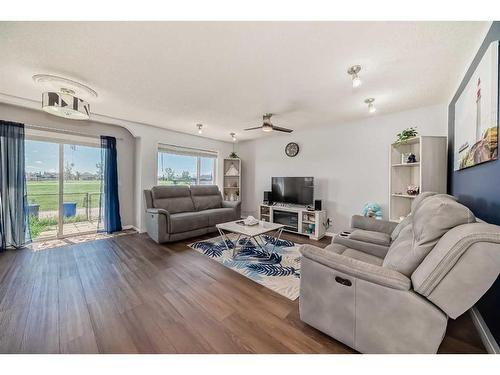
x=487 y=338
x=126 y=227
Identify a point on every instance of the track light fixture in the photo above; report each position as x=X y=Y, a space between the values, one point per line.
x=353 y=71
x=233 y=136
x=371 y=106
x=200 y=128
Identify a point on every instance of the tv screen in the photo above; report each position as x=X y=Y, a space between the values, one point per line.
x=295 y=190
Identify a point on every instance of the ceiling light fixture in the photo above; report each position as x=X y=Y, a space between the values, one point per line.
x=200 y=128
x=65 y=104
x=267 y=125
x=64 y=97
x=233 y=136
x=371 y=106
x=353 y=71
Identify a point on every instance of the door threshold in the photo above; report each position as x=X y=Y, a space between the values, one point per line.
x=67 y=240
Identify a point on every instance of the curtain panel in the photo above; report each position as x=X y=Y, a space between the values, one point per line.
x=110 y=205
x=14 y=228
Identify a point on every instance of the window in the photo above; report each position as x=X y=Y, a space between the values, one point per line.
x=185 y=166
x=63 y=178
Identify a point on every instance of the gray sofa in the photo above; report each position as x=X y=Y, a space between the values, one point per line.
x=174 y=213
x=439 y=262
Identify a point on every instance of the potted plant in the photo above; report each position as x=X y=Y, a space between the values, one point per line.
x=233 y=155
x=406 y=134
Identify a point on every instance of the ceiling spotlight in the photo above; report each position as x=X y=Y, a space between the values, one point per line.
x=200 y=128
x=371 y=106
x=353 y=71
x=233 y=136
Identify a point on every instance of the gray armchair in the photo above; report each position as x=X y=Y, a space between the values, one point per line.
x=440 y=264
x=374 y=236
x=174 y=213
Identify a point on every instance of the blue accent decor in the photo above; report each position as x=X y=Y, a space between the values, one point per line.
x=14 y=228
x=33 y=210
x=478 y=187
x=69 y=209
x=110 y=205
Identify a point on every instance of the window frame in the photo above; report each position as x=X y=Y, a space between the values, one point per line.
x=188 y=151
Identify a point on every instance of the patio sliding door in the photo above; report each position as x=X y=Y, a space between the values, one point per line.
x=81 y=189
x=64 y=184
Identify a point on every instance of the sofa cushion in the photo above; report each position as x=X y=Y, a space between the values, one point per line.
x=378 y=238
x=402 y=224
x=206 y=197
x=420 y=198
x=219 y=215
x=431 y=220
x=354 y=254
x=408 y=219
x=173 y=199
x=187 y=221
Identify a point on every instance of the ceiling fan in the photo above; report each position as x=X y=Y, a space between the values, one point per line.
x=267 y=125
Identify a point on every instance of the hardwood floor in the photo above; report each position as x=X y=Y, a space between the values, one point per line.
x=129 y=295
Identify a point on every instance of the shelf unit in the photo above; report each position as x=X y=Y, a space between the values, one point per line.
x=428 y=173
x=296 y=219
x=232 y=183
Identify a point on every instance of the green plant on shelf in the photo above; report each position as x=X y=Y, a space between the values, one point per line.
x=233 y=155
x=406 y=134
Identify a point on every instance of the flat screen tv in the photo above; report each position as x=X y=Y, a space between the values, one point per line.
x=293 y=190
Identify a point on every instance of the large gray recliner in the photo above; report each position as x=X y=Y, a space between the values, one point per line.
x=174 y=213
x=439 y=265
x=375 y=236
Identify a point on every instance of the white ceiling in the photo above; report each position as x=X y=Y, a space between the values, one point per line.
x=227 y=74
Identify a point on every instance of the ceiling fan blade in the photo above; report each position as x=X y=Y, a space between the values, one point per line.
x=280 y=129
x=257 y=127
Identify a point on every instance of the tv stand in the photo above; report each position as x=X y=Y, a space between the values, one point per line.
x=297 y=219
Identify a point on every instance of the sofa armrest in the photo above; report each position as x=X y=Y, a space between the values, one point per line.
x=356 y=268
x=231 y=204
x=369 y=223
x=158 y=211
x=235 y=205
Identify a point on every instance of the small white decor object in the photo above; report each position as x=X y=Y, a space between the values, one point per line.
x=232 y=171
x=250 y=220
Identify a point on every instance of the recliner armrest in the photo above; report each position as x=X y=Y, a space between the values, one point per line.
x=158 y=211
x=356 y=268
x=369 y=223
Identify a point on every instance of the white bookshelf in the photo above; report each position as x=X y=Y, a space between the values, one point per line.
x=232 y=182
x=429 y=172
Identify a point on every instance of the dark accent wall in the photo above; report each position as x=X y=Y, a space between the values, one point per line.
x=478 y=187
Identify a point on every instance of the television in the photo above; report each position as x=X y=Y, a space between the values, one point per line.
x=293 y=190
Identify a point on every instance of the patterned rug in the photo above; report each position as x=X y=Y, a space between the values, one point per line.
x=278 y=270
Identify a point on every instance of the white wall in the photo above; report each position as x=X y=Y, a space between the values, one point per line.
x=124 y=145
x=350 y=161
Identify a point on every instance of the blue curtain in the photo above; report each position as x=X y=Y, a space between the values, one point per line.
x=14 y=228
x=110 y=205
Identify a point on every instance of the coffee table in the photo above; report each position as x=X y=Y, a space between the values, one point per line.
x=249 y=232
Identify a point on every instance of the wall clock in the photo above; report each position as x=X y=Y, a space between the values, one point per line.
x=292 y=149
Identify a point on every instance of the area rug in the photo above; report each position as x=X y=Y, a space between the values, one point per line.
x=278 y=269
